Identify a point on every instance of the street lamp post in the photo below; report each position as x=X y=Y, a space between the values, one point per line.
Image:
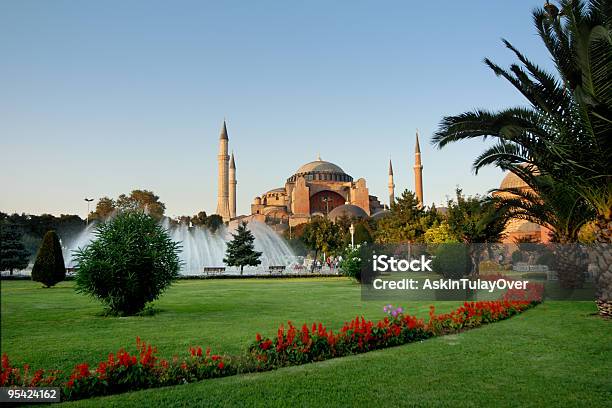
x=89 y=200
x=352 y=231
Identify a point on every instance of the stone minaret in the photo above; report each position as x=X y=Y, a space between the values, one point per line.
x=223 y=208
x=418 y=171
x=391 y=185
x=232 y=187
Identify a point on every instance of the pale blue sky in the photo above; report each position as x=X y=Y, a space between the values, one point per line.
x=99 y=98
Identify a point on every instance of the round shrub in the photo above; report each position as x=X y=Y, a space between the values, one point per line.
x=517 y=256
x=49 y=267
x=130 y=263
x=451 y=260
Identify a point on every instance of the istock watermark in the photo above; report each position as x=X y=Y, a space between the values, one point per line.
x=450 y=284
x=455 y=271
x=384 y=263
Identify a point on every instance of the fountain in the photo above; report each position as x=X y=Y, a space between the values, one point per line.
x=202 y=248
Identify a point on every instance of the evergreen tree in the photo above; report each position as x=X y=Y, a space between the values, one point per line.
x=240 y=250
x=406 y=222
x=49 y=267
x=13 y=254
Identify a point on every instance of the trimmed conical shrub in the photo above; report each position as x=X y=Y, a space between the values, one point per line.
x=49 y=267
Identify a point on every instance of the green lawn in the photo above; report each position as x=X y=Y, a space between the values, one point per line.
x=58 y=328
x=558 y=354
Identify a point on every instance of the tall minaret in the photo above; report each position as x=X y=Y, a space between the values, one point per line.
x=418 y=171
x=223 y=208
x=232 y=187
x=391 y=185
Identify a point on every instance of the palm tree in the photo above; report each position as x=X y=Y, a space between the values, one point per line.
x=561 y=210
x=565 y=132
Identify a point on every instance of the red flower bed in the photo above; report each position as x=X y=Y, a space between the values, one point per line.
x=123 y=371
x=293 y=346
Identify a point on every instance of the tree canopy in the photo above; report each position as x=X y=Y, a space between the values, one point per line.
x=143 y=200
x=13 y=254
x=407 y=221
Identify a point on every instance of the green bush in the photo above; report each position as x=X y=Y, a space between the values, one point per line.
x=351 y=262
x=130 y=263
x=451 y=260
x=49 y=267
x=517 y=256
x=547 y=258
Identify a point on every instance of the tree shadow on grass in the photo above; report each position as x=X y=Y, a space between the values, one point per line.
x=148 y=311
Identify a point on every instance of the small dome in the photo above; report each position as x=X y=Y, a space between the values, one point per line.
x=527 y=226
x=347 y=210
x=512 y=181
x=276 y=191
x=381 y=214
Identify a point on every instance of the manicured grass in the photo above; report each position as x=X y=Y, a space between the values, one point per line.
x=557 y=354
x=58 y=328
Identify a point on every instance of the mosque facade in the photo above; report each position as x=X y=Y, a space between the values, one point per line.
x=317 y=188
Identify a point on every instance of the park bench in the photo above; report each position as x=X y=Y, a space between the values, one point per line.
x=276 y=268
x=208 y=270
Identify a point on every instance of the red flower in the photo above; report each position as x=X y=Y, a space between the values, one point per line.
x=102 y=368
x=305 y=334
x=221 y=365
x=5 y=361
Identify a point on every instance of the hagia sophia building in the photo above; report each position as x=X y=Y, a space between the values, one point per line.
x=321 y=188
x=317 y=188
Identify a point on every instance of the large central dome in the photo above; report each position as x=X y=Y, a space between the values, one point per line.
x=320 y=166
x=321 y=170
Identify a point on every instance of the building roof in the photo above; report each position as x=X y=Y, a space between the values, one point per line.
x=347 y=210
x=320 y=166
x=276 y=190
x=321 y=170
x=380 y=214
x=512 y=181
